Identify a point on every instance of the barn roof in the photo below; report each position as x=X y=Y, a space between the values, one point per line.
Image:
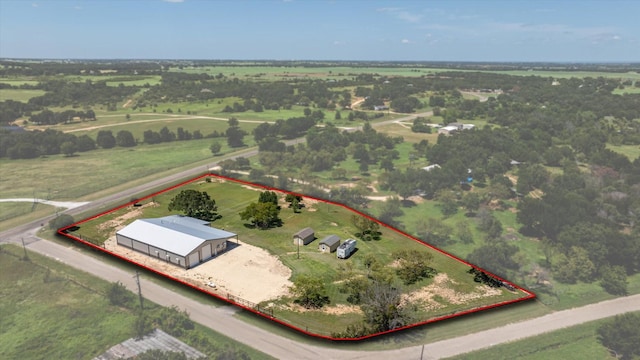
x=330 y=240
x=304 y=233
x=176 y=234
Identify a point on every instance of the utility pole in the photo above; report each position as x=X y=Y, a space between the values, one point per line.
x=25 y=249
x=139 y=288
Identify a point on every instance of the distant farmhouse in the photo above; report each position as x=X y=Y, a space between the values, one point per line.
x=304 y=236
x=177 y=239
x=329 y=244
x=380 y=107
x=453 y=127
x=431 y=167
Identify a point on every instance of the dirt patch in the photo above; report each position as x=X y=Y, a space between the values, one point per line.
x=339 y=309
x=430 y=297
x=245 y=271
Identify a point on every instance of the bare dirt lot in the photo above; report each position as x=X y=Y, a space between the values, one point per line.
x=245 y=271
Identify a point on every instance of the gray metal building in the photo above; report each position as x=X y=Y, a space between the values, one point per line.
x=176 y=239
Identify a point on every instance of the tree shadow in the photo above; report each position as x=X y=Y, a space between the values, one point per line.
x=408 y=203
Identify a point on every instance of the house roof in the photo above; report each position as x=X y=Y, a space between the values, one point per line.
x=176 y=234
x=330 y=240
x=304 y=233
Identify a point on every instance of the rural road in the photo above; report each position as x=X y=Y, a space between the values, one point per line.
x=222 y=320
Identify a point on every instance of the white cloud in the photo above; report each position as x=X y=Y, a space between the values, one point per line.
x=401 y=14
x=174 y=1
x=405 y=41
x=34 y=5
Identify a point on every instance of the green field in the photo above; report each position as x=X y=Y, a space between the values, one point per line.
x=326 y=219
x=630 y=151
x=576 y=342
x=19 y=94
x=43 y=301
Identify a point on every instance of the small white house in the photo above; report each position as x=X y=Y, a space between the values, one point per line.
x=346 y=249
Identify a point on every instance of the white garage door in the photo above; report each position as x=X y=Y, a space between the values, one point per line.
x=194 y=259
x=206 y=252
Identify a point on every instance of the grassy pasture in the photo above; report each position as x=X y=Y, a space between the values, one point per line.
x=630 y=151
x=576 y=342
x=268 y=73
x=326 y=219
x=53 y=311
x=17 y=81
x=22 y=95
x=79 y=177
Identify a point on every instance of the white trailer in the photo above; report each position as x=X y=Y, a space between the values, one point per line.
x=346 y=249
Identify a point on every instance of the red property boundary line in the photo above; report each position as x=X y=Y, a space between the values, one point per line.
x=62 y=232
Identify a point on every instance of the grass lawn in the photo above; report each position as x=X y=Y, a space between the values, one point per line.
x=576 y=342
x=52 y=311
x=325 y=219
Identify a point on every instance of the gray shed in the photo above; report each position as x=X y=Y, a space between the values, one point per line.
x=329 y=244
x=176 y=239
x=304 y=236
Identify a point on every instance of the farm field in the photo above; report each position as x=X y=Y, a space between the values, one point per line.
x=44 y=301
x=452 y=282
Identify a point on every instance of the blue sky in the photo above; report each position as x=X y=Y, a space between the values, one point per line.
x=453 y=30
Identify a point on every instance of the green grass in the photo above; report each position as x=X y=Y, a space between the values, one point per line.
x=19 y=94
x=52 y=311
x=232 y=198
x=576 y=342
x=82 y=175
x=630 y=151
x=13 y=214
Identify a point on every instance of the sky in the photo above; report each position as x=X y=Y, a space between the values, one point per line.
x=367 y=30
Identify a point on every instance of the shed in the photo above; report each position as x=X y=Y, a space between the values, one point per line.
x=176 y=239
x=329 y=243
x=304 y=236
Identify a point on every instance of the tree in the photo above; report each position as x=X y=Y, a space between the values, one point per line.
x=215 y=148
x=614 y=280
x=413 y=266
x=390 y=209
x=309 y=291
x=61 y=221
x=68 y=148
x=195 y=204
x=622 y=335
x=448 y=202
x=471 y=201
x=105 y=139
x=268 y=197
x=383 y=307
x=497 y=257
x=261 y=214
x=368 y=229
x=125 y=138
x=463 y=233
x=118 y=295
x=85 y=143
x=235 y=136
x=574 y=266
